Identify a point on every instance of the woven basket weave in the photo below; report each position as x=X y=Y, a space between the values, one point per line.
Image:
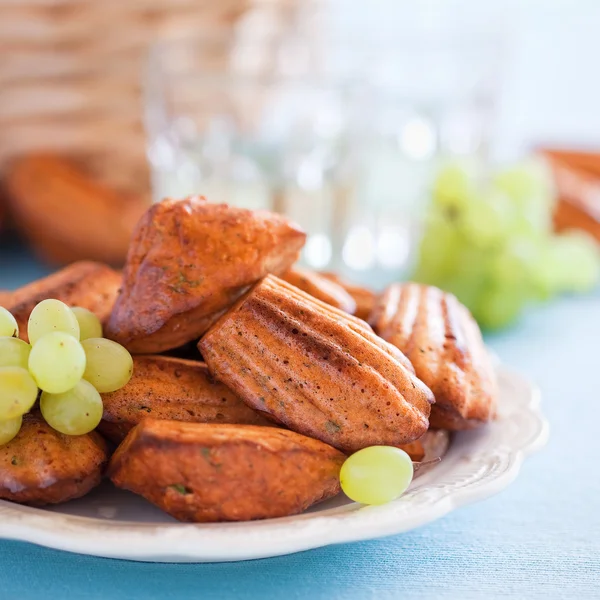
x=70 y=75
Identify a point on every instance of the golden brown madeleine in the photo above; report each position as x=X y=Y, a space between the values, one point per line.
x=363 y=297
x=320 y=287
x=5 y=298
x=317 y=370
x=41 y=466
x=88 y=284
x=444 y=344
x=200 y=472
x=188 y=262
x=66 y=214
x=173 y=389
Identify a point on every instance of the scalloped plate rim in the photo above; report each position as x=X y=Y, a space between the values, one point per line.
x=223 y=542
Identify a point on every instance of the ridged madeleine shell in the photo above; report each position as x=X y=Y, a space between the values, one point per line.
x=42 y=466
x=317 y=370
x=188 y=261
x=173 y=389
x=65 y=214
x=5 y=297
x=363 y=297
x=201 y=473
x=321 y=288
x=444 y=344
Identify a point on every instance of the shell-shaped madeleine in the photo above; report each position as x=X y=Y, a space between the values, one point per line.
x=65 y=213
x=42 y=466
x=199 y=472
x=188 y=261
x=363 y=297
x=321 y=288
x=5 y=298
x=173 y=389
x=317 y=370
x=444 y=344
x=90 y=285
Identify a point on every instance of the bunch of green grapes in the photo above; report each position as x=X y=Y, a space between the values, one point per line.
x=489 y=240
x=67 y=359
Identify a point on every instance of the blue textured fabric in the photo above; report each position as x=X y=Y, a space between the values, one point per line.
x=538 y=539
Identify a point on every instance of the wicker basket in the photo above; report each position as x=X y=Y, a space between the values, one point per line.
x=70 y=75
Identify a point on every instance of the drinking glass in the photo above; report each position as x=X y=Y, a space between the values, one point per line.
x=341 y=136
x=429 y=98
x=251 y=124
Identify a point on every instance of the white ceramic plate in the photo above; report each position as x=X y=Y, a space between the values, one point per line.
x=113 y=523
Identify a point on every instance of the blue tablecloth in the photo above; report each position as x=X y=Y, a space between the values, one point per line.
x=538 y=539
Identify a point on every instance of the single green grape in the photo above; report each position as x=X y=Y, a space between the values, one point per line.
x=18 y=392
x=89 y=323
x=74 y=412
x=527 y=183
x=455 y=184
x=57 y=362
x=499 y=306
x=437 y=251
x=14 y=352
x=534 y=220
x=109 y=365
x=50 y=316
x=516 y=262
x=8 y=324
x=466 y=289
x=575 y=259
x=9 y=429
x=488 y=220
x=376 y=475
x=470 y=275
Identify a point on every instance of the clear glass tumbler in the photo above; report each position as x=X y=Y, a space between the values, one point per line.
x=427 y=97
x=341 y=136
x=256 y=125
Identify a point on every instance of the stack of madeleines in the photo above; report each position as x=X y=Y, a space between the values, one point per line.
x=253 y=378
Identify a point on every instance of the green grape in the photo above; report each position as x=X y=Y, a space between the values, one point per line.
x=545 y=279
x=516 y=263
x=437 y=250
x=18 y=392
x=57 y=362
x=488 y=219
x=466 y=289
x=8 y=324
x=499 y=306
x=109 y=365
x=534 y=221
x=531 y=188
x=455 y=184
x=9 y=429
x=530 y=182
x=470 y=275
x=14 y=352
x=49 y=316
x=74 y=412
x=376 y=475
x=544 y=283
x=576 y=261
x=89 y=323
